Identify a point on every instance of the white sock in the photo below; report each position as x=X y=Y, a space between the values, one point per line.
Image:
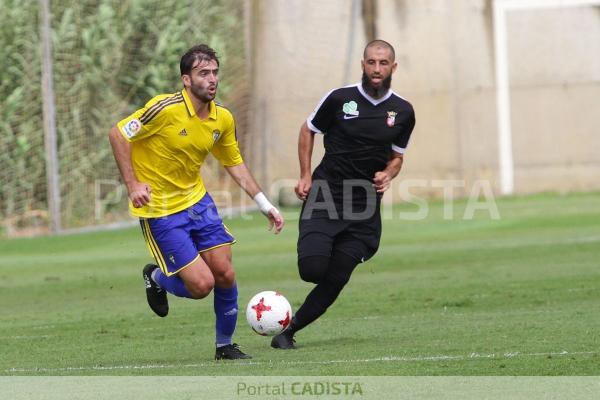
x=153 y=275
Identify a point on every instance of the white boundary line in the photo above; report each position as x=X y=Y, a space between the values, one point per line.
x=501 y=8
x=435 y=358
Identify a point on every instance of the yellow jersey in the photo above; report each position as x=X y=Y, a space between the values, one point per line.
x=169 y=144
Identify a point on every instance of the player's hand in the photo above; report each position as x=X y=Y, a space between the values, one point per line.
x=381 y=181
x=139 y=194
x=276 y=221
x=303 y=187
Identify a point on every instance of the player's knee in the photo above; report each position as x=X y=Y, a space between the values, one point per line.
x=200 y=289
x=225 y=278
x=313 y=268
x=342 y=266
x=337 y=279
x=311 y=276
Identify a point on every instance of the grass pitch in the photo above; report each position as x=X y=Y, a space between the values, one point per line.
x=514 y=296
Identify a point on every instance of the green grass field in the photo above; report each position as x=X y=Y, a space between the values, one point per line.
x=514 y=296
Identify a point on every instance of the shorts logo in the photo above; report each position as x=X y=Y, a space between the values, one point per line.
x=350 y=110
x=172 y=259
x=216 y=134
x=132 y=127
x=391 y=118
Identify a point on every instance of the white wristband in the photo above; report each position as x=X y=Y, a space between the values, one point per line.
x=263 y=203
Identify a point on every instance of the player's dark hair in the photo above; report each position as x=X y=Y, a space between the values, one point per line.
x=382 y=43
x=199 y=53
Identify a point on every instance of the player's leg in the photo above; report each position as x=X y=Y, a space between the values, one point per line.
x=357 y=243
x=323 y=295
x=197 y=279
x=225 y=293
x=170 y=244
x=225 y=302
x=315 y=242
x=313 y=268
x=213 y=242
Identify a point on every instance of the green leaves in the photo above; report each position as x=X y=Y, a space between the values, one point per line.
x=109 y=58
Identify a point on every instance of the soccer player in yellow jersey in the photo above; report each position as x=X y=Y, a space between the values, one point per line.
x=159 y=150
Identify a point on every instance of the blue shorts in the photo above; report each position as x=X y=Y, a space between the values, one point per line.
x=176 y=240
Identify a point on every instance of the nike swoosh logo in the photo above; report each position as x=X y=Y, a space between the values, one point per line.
x=346 y=116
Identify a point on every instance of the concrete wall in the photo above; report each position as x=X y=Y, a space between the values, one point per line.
x=304 y=48
x=555 y=88
x=300 y=52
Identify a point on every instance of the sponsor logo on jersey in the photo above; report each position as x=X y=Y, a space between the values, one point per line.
x=391 y=118
x=350 y=110
x=132 y=127
x=183 y=132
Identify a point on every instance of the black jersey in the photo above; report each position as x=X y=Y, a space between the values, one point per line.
x=360 y=134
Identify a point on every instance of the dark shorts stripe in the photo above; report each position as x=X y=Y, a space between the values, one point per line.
x=154 y=250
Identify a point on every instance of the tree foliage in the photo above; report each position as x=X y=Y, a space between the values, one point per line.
x=109 y=58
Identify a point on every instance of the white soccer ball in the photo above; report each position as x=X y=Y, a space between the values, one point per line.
x=268 y=313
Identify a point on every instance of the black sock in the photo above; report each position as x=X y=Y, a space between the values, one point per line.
x=324 y=294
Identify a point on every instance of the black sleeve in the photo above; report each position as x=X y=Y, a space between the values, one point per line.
x=323 y=116
x=403 y=137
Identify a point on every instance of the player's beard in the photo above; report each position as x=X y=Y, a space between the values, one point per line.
x=376 y=92
x=203 y=94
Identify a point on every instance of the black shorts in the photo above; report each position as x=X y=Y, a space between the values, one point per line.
x=320 y=236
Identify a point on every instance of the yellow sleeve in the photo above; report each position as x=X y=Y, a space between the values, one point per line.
x=226 y=148
x=144 y=122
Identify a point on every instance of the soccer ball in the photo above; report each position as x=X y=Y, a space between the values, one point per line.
x=268 y=313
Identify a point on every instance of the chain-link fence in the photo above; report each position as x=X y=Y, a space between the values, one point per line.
x=109 y=57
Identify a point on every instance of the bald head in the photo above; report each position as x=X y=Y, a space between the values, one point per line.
x=378 y=65
x=382 y=44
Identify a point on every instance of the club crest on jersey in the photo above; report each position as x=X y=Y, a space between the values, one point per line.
x=350 y=110
x=216 y=134
x=132 y=127
x=391 y=118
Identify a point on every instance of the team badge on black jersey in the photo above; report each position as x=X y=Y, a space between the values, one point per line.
x=391 y=118
x=350 y=109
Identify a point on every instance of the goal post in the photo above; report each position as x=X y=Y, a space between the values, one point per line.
x=501 y=9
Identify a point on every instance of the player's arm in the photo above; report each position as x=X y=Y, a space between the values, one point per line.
x=139 y=192
x=383 y=179
x=306 y=143
x=319 y=121
x=242 y=176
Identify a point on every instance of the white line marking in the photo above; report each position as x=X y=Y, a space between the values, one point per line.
x=511 y=354
x=27 y=337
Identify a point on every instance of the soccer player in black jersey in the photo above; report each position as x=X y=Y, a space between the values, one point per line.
x=366 y=128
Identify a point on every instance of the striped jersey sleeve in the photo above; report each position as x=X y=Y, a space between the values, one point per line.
x=147 y=120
